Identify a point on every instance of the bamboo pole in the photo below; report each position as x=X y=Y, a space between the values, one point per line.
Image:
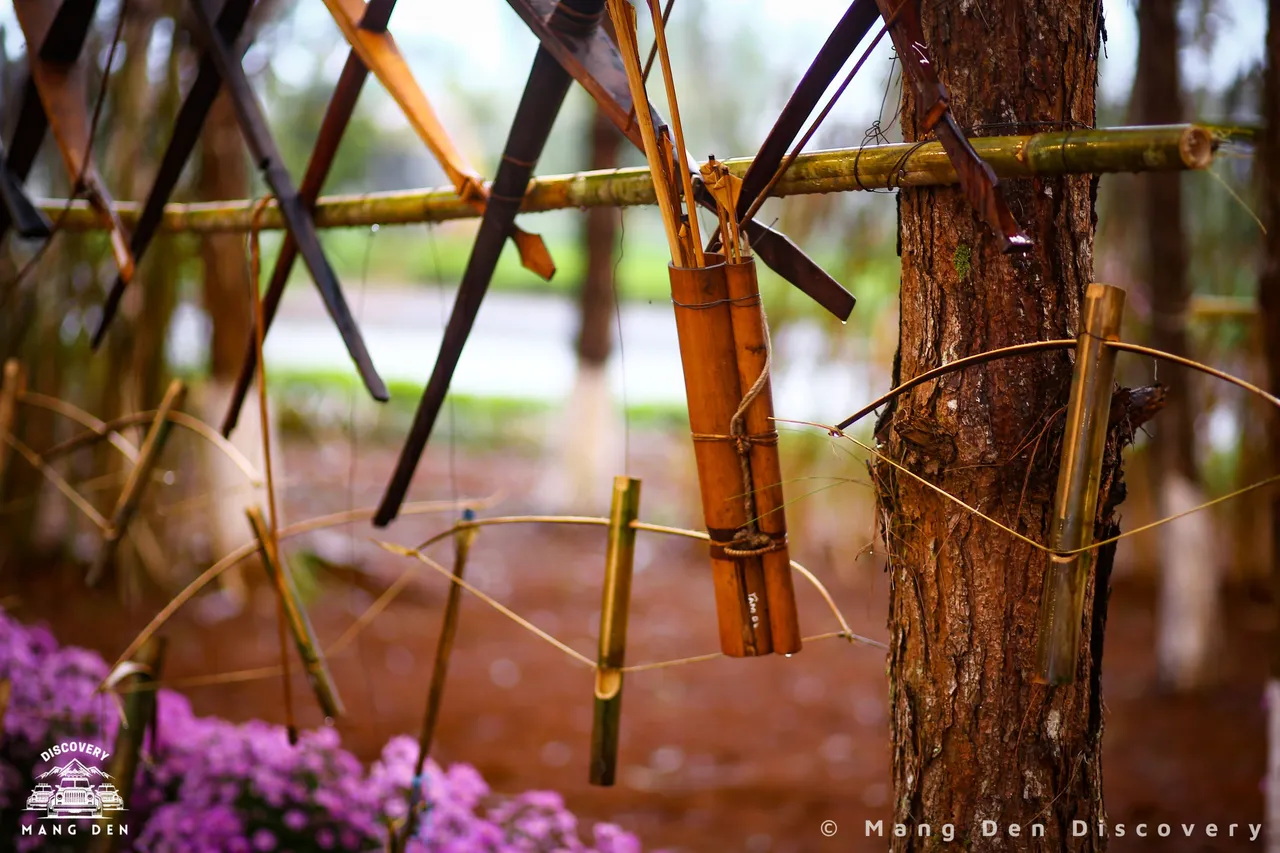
x=304 y=636
x=615 y=604
x=11 y=388
x=1079 y=475
x=139 y=476
x=139 y=715
x=751 y=344
x=875 y=167
x=704 y=329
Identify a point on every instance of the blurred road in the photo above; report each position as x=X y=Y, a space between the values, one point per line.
x=522 y=347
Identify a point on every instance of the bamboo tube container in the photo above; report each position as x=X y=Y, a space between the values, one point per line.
x=1075 y=503
x=139 y=477
x=704 y=327
x=615 y=604
x=139 y=715
x=10 y=391
x=304 y=636
x=750 y=335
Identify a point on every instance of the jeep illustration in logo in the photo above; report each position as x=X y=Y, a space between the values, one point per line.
x=75 y=794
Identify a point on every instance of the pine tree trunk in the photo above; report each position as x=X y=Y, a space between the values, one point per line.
x=1189 y=569
x=587 y=433
x=974 y=739
x=1269 y=304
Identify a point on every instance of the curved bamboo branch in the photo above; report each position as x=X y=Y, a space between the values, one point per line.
x=182 y=419
x=309 y=525
x=68 y=410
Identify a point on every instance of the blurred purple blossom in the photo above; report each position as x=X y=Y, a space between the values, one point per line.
x=210 y=786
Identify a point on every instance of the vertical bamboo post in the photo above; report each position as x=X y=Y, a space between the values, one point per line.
x=751 y=342
x=704 y=328
x=139 y=477
x=11 y=388
x=139 y=713
x=1076 y=501
x=615 y=603
x=304 y=636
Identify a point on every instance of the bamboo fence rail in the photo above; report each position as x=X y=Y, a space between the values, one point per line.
x=878 y=167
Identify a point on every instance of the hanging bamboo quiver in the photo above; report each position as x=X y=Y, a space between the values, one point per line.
x=759 y=438
x=704 y=326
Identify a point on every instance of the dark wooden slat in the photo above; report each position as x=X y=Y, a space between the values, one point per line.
x=337 y=117
x=186 y=133
x=253 y=126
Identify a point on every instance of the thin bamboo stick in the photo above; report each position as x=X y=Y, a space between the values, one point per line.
x=686 y=180
x=704 y=328
x=139 y=715
x=11 y=387
x=751 y=343
x=875 y=167
x=615 y=604
x=623 y=16
x=304 y=636
x=131 y=495
x=1079 y=476
x=463 y=538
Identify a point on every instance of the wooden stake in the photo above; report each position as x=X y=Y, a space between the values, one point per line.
x=304 y=636
x=615 y=603
x=139 y=715
x=705 y=331
x=11 y=388
x=140 y=475
x=1076 y=501
x=751 y=344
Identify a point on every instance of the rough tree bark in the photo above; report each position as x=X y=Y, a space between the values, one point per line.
x=974 y=739
x=1269 y=304
x=587 y=434
x=1189 y=570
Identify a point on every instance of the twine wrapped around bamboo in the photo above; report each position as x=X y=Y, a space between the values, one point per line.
x=751 y=344
x=1076 y=501
x=704 y=327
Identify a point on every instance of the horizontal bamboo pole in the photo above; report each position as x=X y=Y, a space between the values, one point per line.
x=1124 y=149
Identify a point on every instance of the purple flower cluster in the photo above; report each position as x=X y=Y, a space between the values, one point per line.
x=210 y=785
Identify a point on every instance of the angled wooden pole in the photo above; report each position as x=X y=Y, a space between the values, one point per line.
x=304 y=636
x=131 y=495
x=1076 y=501
x=615 y=604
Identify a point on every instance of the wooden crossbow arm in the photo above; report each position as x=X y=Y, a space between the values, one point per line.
x=593 y=60
x=378 y=51
x=61 y=82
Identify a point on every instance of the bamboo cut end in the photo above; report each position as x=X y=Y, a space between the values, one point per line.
x=608 y=682
x=1196 y=148
x=1103 y=311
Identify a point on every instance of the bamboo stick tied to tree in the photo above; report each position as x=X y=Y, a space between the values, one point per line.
x=1079 y=477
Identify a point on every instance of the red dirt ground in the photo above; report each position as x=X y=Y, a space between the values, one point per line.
x=722 y=755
